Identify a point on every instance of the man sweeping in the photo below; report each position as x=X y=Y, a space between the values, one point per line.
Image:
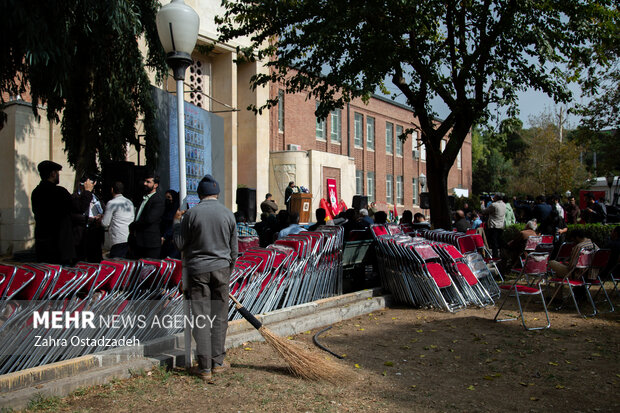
x=207 y=236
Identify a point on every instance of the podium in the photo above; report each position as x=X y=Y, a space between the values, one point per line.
x=301 y=204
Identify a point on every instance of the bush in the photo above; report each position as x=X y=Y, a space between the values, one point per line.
x=598 y=233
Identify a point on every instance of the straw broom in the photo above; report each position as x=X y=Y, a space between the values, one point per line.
x=301 y=362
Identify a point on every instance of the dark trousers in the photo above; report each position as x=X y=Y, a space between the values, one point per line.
x=119 y=250
x=494 y=237
x=209 y=297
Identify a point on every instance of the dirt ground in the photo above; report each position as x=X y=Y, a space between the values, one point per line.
x=401 y=359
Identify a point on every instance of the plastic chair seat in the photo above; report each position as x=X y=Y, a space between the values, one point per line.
x=521 y=289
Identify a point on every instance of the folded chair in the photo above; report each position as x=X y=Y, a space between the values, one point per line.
x=528 y=284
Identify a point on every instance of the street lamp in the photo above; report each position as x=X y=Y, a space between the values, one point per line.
x=422 y=181
x=177 y=26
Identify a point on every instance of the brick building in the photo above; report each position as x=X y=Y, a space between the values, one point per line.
x=359 y=147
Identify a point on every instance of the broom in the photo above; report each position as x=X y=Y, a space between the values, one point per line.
x=301 y=362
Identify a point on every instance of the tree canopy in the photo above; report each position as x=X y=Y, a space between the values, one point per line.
x=81 y=59
x=470 y=54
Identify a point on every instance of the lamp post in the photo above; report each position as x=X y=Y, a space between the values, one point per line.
x=177 y=26
x=422 y=179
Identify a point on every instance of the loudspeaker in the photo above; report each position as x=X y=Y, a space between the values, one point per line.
x=246 y=203
x=425 y=202
x=359 y=202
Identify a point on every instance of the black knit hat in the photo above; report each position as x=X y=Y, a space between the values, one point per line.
x=208 y=186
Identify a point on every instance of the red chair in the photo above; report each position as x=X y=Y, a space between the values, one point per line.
x=599 y=263
x=246 y=243
x=584 y=261
x=535 y=266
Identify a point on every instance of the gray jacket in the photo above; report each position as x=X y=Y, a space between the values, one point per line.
x=496 y=212
x=207 y=236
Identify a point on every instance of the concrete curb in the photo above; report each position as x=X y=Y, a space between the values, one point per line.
x=61 y=378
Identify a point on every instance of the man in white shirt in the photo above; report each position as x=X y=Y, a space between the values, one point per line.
x=119 y=213
x=495 y=224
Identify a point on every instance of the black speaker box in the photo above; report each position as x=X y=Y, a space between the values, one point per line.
x=359 y=202
x=246 y=203
x=425 y=202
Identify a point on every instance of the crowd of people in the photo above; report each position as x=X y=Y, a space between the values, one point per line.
x=80 y=226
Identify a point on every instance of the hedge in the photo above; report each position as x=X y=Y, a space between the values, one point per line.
x=598 y=233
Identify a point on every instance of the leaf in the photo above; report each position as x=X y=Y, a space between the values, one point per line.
x=497 y=375
x=405 y=347
x=419 y=331
x=413 y=386
x=384 y=373
x=422 y=356
x=553 y=363
x=471 y=387
x=567 y=362
x=343 y=355
x=389 y=363
x=361 y=329
x=248 y=348
x=357 y=366
x=394 y=318
x=534 y=399
x=433 y=346
x=559 y=386
x=523 y=384
x=596 y=355
x=489 y=378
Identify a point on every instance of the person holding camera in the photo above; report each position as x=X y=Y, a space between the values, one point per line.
x=86 y=214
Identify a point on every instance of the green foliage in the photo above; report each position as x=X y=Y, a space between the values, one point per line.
x=469 y=54
x=511 y=231
x=547 y=166
x=473 y=201
x=82 y=59
x=604 y=143
x=598 y=233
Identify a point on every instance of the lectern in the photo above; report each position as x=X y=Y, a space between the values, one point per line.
x=301 y=204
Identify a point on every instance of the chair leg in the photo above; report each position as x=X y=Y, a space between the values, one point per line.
x=500 y=309
x=522 y=310
x=607 y=298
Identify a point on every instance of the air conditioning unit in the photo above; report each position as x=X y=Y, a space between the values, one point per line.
x=291 y=147
x=416 y=154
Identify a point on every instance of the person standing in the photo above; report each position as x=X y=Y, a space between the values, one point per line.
x=118 y=215
x=86 y=217
x=207 y=236
x=288 y=193
x=572 y=211
x=51 y=205
x=495 y=224
x=145 y=228
x=269 y=206
x=172 y=205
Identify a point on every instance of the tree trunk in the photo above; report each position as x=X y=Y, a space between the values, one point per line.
x=437 y=180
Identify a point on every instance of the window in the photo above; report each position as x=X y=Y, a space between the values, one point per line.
x=335 y=130
x=400 y=200
x=415 y=191
x=399 y=142
x=389 y=189
x=370 y=133
x=359 y=182
x=459 y=160
x=359 y=131
x=422 y=151
x=389 y=138
x=280 y=110
x=370 y=186
x=320 y=127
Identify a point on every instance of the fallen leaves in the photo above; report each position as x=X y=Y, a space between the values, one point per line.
x=389 y=363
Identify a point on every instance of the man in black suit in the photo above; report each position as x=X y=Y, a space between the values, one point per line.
x=145 y=228
x=51 y=205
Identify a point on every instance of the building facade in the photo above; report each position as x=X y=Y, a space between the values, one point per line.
x=359 y=147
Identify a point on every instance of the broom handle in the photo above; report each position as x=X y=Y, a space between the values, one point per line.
x=245 y=313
